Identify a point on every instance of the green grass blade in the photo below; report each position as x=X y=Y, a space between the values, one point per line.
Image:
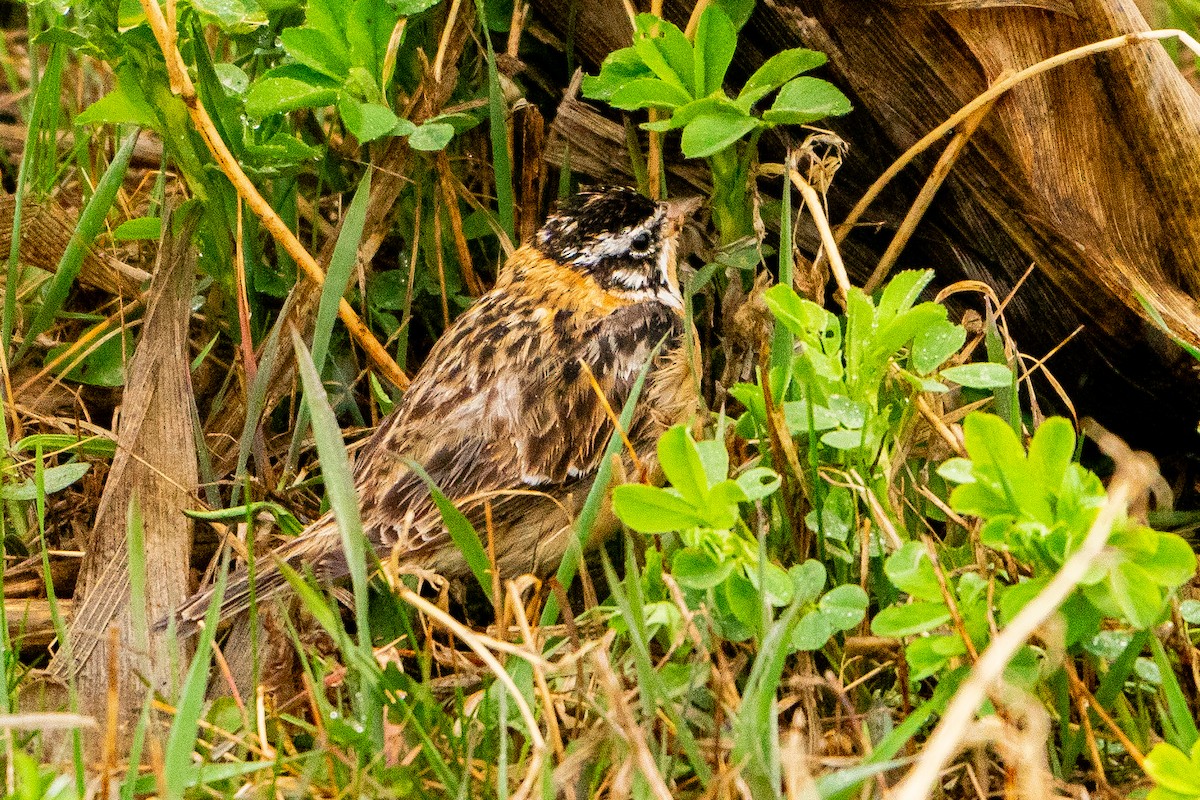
x=848 y=779
x=91 y=222
x=196 y=775
x=326 y=615
x=1177 y=705
x=498 y=123
x=256 y=403
x=465 y=537
x=136 y=538
x=1113 y=682
x=181 y=741
x=341 y=270
x=431 y=752
x=1008 y=405
x=502 y=760
x=339 y=487
x=781 y=344
x=135 y=752
x=899 y=736
x=1158 y=320
x=634 y=613
x=47 y=93
x=60 y=626
x=756 y=729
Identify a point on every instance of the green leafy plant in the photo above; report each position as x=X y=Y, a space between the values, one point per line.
x=344 y=55
x=853 y=380
x=685 y=80
x=1175 y=773
x=845 y=393
x=1037 y=506
x=713 y=554
x=38 y=782
x=911 y=571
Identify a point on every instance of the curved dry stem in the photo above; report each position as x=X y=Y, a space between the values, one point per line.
x=182 y=85
x=948 y=736
x=539 y=675
x=924 y=199
x=476 y=643
x=829 y=241
x=990 y=96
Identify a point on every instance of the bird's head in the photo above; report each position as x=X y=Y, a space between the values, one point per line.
x=623 y=240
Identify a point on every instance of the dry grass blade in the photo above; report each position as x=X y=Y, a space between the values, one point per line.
x=156 y=468
x=539 y=674
x=30 y=622
x=480 y=647
x=623 y=720
x=921 y=204
x=947 y=737
x=829 y=242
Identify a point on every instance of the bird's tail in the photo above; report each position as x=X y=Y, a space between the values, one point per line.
x=312 y=547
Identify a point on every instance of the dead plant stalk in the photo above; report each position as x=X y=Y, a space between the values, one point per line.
x=829 y=242
x=948 y=735
x=182 y=86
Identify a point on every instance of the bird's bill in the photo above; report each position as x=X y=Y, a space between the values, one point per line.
x=678 y=212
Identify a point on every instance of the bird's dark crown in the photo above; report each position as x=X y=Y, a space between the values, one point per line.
x=614 y=234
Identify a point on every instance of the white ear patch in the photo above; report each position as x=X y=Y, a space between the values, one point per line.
x=630 y=279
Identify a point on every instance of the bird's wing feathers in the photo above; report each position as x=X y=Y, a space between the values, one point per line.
x=504 y=404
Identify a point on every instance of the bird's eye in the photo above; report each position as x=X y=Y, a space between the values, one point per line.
x=640 y=243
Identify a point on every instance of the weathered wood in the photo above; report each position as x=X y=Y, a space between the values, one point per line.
x=30 y=623
x=46 y=230
x=27 y=579
x=584 y=140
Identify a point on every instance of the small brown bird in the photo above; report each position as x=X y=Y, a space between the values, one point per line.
x=504 y=410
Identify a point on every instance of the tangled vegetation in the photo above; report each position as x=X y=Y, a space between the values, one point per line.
x=874 y=541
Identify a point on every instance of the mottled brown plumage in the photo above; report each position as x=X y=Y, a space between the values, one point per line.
x=503 y=408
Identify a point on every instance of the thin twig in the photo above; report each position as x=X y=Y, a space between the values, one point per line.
x=924 y=199
x=519 y=13
x=694 y=20
x=450 y=198
x=939 y=425
x=182 y=86
x=612 y=416
x=990 y=96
